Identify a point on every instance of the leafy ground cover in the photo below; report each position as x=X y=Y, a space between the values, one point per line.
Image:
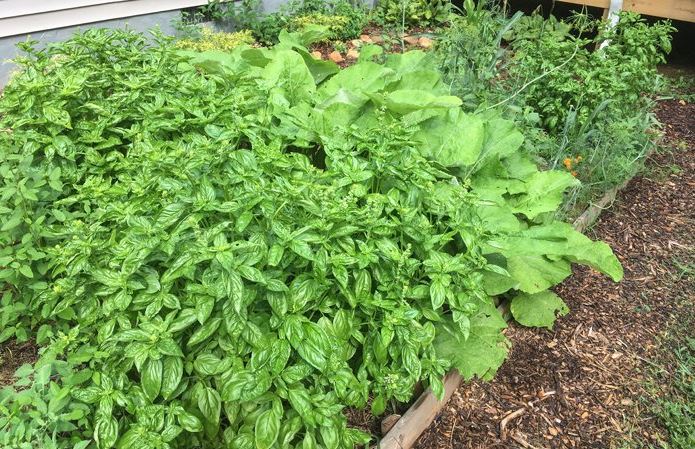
x=226 y=249
x=675 y=407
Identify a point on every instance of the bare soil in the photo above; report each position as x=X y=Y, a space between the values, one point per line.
x=12 y=356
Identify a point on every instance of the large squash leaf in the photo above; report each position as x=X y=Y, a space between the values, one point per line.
x=535 y=273
x=502 y=139
x=538 y=309
x=410 y=100
x=483 y=352
x=287 y=74
x=453 y=138
x=364 y=77
x=542 y=192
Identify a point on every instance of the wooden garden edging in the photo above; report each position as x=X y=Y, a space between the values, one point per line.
x=418 y=417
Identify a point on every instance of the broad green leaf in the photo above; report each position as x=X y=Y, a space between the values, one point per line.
x=172 y=372
x=190 y=422
x=409 y=61
x=362 y=78
x=246 y=386
x=210 y=404
x=267 y=429
x=215 y=61
x=205 y=331
x=485 y=349
x=453 y=139
x=543 y=192
x=409 y=100
x=301 y=403
x=105 y=431
x=330 y=437
x=320 y=69
x=288 y=73
x=496 y=283
x=538 y=309
x=559 y=240
x=151 y=378
x=535 y=273
x=502 y=139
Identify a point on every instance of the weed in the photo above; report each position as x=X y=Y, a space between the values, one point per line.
x=677 y=410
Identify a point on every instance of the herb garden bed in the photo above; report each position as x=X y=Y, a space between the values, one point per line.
x=223 y=245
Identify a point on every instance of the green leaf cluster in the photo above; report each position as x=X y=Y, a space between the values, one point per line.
x=344 y=18
x=412 y=12
x=580 y=105
x=211 y=40
x=624 y=72
x=232 y=247
x=335 y=24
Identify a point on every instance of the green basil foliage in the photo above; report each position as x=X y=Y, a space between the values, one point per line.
x=623 y=74
x=225 y=250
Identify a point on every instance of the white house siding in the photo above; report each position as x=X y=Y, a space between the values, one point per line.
x=56 y=20
x=21 y=16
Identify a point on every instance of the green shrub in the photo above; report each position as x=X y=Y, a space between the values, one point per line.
x=595 y=103
x=335 y=24
x=228 y=249
x=570 y=99
x=413 y=12
x=624 y=72
x=345 y=19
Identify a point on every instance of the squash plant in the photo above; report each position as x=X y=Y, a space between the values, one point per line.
x=227 y=249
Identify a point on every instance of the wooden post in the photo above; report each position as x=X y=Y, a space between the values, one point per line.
x=612 y=14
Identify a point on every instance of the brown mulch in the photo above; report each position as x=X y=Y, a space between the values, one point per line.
x=581 y=385
x=12 y=356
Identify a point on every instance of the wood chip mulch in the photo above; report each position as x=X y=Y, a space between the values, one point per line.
x=582 y=385
x=12 y=356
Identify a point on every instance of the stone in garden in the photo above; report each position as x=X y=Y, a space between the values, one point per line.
x=352 y=54
x=410 y=40
x=366 y=38
x=356 y=42
x=377 y=39
x=425 y=42
x=336 y=57
x=316 y=54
